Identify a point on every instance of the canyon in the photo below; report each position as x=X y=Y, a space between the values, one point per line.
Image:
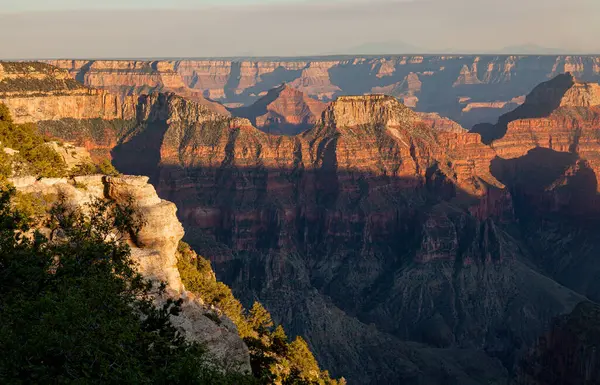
x=403 y=247
x=467 y=89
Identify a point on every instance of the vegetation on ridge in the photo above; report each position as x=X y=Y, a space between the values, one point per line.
x=74 y=310
x=34 y=157
x=273 y=358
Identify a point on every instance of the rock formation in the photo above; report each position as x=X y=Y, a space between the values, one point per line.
x=430 y=83
x=284 y=110
x=127 y=78
x=37 y=92
x=154 y=251
x=568 y=353
x=346 y=224
x=548 y=157
x=402 y=248
x=562 y=114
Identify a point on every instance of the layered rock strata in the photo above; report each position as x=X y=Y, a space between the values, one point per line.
x=467 y=89
x=284 y=110
x=371 y=217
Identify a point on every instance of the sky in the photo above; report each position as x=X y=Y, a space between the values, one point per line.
x=35 y=29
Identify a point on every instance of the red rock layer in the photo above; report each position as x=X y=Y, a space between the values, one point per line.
x=352 y=171
x=284 y=110
x=561 y=115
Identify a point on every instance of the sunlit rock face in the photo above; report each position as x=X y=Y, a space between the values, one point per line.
x=467 y=89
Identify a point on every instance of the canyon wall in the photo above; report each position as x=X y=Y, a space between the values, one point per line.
x=401 y=246
x=467 y=89
x=568 y=353
x=35 y=92
x=378 y=237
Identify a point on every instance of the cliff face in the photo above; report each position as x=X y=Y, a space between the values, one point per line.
x=568 y=354
x=127 y=78
x=467 y=89
x=562 y=115
x=369 y=230
x=36 y=92
x=284 y=110
x=154 y=252
x=548 y=158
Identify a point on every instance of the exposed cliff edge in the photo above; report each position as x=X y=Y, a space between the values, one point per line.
x=154 y=251
x=36 y=92
x=211 y=314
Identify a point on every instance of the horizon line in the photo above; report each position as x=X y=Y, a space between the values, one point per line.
x=300 y=57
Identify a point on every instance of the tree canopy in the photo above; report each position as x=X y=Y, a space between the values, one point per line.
x=74 y=310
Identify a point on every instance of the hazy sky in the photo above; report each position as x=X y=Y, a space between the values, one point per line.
x=209 y=28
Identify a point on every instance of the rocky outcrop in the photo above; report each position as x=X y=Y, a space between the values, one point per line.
x=562 y=114
x=284 y=110
x=72 y=156
x=428 y=83
x=154 y=252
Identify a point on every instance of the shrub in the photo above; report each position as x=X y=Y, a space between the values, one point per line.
x=105 y=168
x=37 y=158
x=76 y=311
x=273 y=358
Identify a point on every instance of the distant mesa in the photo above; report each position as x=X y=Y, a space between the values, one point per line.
x=534 y=49
x=549 y=98
x=283 y=110
x=432 y=83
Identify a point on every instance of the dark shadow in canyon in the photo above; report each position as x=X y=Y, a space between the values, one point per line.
x=352 y=249
x=138 y=153
x=548 y=181
x=557 y=208
x=332 y=233
x=80 y=77
x=233 y=82
x=540 y=103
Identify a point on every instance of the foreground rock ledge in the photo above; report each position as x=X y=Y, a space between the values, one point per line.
x=155 y=254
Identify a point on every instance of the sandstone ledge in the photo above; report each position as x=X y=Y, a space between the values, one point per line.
x=154 y=252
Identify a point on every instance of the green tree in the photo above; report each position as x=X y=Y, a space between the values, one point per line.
x=5 y=115
x=274 y=360
x=260 y=319
x=34 y=155
x=74 y=310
